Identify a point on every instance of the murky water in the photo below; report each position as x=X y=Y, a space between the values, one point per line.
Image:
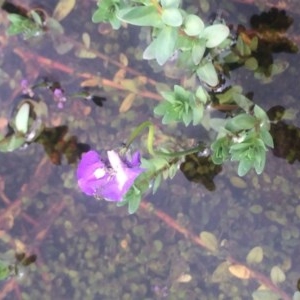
x=87 y=249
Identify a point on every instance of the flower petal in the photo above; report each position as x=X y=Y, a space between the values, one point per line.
x=135 y=159
x=89 y=164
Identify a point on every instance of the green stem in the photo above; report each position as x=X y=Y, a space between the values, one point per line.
x=150 y=141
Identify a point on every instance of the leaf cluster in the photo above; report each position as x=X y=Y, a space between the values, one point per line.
x=25 y=125
x=173 y=31
x=181 y=105
x=29 y=26
x=245 y=139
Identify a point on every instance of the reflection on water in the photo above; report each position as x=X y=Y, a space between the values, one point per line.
x=193 y=244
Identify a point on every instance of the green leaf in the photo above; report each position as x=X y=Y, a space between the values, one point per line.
x=140 y=16
x=150 y=51
x=11 y=143
x=170 y=3
x=22 y=118
x=106 y=10
x=122 y=203
x=262 y=116
x=165 y=44
x=156 y=183
x=260 y=160
x=134 y=203
x=242 y=47
x=215 y=34
x=172 y=17
x=193 y=25
x=202 y=95
x=198 y=52
x=251 y=64
x=220 y=150
x=198 y=111
x=208 y=74
x=241 y=122
x=244 y=166
x=36 y=17
x=15 y=18
x=4 y=271
x=267 y=138
x=14 y=29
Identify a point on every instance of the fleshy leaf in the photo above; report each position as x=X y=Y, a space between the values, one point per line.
x=172 y=17
x=241 y=122
x=22 y=118
x=215 y=35
x=140 y=16
x=193 y=25
x=208 y=74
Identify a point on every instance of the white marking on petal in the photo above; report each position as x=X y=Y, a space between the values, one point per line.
x=114 y=160
x=99 y=173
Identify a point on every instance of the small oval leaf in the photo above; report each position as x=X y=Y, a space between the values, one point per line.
x=255 y=256
x=22 y=117
x=240 y=271
x=277 y=275
x=209 y=240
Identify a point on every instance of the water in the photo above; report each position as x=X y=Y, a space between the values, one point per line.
x=88 y=249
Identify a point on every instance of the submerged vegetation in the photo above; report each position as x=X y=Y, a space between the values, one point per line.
x=205 y=119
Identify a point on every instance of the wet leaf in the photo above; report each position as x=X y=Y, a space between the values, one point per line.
x=240 y=271
x=193 y=25
x=210 y=240
x=84 y=52
x=127 y=103
x=171 y=16
x=277 y=275
x=255 y=256
x=119 y=75
x=208 y=74
x=220 y=274
x=22 y=117
x=63 y=8
x=130 y=85
x=251 y=63
x=123 y=59
x=215 y=34
x=11 y=143
x=184 y=278
x=92 y=82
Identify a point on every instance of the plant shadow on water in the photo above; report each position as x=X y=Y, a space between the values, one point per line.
x=219 y=236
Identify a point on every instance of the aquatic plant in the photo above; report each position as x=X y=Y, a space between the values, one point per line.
x=204 y=51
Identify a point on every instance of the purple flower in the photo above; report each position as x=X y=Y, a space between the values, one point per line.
x=26 y=89
x=59 y=97
x=110 y=179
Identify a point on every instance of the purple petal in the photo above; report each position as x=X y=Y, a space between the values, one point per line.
x=116 y=189
x=123 y=178
x=87 y=180
x=135 y=159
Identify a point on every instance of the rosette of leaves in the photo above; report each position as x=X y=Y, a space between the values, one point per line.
x=106 y=12
x=181 y=105
x=25 y=126
x=29 y=26
x=245 y=139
